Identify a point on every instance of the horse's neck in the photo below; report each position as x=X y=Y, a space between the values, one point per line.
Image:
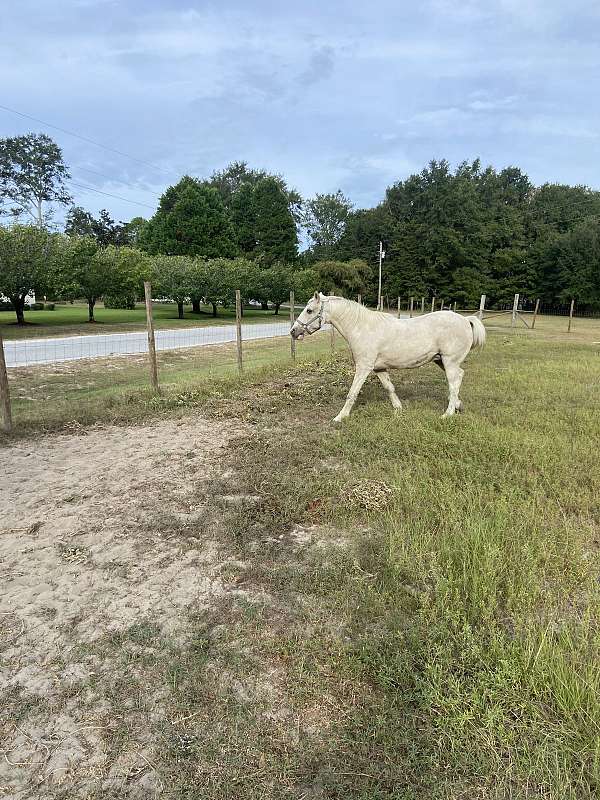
x=344 y=318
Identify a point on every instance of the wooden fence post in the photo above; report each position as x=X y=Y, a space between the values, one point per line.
x=359 y=299
x=481 y=306
x=514 y=311
x=238 y=329
x=442 y=304
x=571 y=315
x=535 y=313
x=398 y=308
x=433 y=303
x=411 y=307
x=422 y=305
x=332 y=332
x=292 y=320
x=5 y=410
x=151 y=342
x=454 y=308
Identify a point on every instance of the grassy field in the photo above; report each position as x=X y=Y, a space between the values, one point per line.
x=72 y=320
x=433 y=631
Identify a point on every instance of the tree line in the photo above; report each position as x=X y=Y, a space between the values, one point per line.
x=455 y=233
x=77 y=267
x=475 y=230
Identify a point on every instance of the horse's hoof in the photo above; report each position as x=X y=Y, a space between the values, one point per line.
x=338 y=420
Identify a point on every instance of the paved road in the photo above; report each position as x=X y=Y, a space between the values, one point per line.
x=25 y=352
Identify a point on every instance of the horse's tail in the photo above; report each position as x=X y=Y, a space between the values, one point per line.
x=479 y=333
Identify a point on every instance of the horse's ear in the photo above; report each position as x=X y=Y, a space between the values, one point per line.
x=316 y=295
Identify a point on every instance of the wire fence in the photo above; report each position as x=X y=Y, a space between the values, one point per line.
x=42 y=375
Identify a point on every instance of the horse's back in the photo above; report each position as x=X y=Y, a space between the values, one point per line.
x=414 y=342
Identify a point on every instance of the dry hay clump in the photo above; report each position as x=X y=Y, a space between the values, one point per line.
x=372 y=495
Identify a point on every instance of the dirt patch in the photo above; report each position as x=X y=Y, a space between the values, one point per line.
x=101 y=533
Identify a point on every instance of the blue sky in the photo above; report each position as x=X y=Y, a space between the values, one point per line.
x=351 y=95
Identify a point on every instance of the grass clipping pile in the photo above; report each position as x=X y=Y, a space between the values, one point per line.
x=102 y=534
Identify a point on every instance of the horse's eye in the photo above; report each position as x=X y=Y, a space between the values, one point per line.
x=309 y=311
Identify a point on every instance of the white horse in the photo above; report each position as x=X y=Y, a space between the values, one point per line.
x=380 y=342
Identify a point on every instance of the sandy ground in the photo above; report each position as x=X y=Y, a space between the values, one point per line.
x=90 y=543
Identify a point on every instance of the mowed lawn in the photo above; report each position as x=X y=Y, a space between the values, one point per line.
x=72 y=320
x=436 y=636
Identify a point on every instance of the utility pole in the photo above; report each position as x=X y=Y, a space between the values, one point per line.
x=381 y=257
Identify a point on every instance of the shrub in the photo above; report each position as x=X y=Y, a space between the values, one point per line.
x=6 y=305
x=49 y=306
x=36 y=306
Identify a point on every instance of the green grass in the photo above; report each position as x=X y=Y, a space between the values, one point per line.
x=72 y=320
x=440 y=638
x=456 y=638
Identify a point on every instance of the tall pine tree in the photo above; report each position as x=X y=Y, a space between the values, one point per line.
x=276 y=237
x=191 y=220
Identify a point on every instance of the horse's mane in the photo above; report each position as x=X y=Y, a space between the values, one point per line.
x=354 y=311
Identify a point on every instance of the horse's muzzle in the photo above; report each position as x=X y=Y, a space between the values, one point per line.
x=297 y=333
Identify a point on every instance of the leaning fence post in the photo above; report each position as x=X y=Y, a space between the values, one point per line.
x=238 y=328
x=151 y=342
x=514 y=311
x=411 y=307
x=5 y=410
x=422 y=305
x=292 y=320
x=535 y=313
x=571 y=315
x=433 y=303
x=481 y=306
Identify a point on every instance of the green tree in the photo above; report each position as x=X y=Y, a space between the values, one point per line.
x=325 y=218
x=211 y=280
x=126 y=268
x=83 y=275
x=572 y=264
x=32 y=174
x=27 y=264
x=132 y=231
x=346 y=278
x=242 y=211
x=191 y=220
x=305 y=282
x=79 y=222
x=103 y=229
x=276 y=237
x=274 y=285
x=238 y=176
x=173 y=278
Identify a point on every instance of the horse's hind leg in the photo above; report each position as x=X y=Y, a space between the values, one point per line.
x=387 y=384
x=454 y=375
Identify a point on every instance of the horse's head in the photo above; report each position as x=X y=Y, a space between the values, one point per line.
x=311 y=318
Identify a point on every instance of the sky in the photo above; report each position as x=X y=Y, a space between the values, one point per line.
x=332 y=95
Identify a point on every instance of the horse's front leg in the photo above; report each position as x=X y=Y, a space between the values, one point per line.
x=360 y=376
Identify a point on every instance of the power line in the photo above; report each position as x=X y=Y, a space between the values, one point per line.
x=86 y=139
x=112 y=180
x=108 y=194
